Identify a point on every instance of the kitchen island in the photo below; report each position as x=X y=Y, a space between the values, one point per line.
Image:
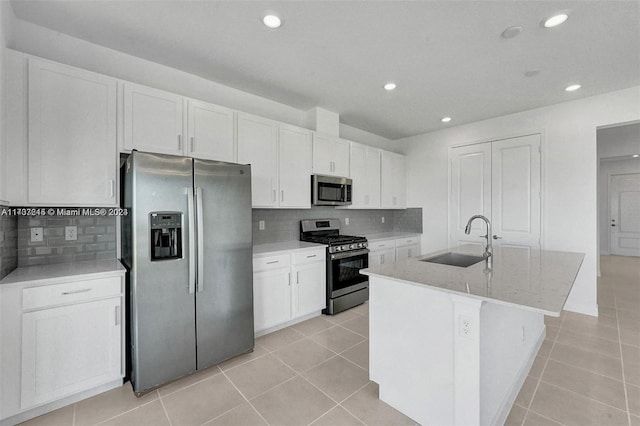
x=452 y=345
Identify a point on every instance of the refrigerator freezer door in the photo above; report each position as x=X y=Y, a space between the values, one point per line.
x=162 y=307
x=224 y=300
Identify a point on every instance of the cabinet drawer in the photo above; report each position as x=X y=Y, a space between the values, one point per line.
x=61 y=294
x=382 y=245
x=309 y=256
x=271 y=262
x=409 y=241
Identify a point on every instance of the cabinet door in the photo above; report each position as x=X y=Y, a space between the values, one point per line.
x=210 y=132
x=340 y=153
x=372 y=198
x=399 y=181
x=309 y=288
x=152 y=120
x=381 y=257
x=358 y=168
x=322 y=157
x=393 y=181
x=271 y=298
x=72 y=136
x=407 y=252
x=258 y=146
x=294 y=167
x=70 y=349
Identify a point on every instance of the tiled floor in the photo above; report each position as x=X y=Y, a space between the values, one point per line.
x=586 y=373
x=588 y=369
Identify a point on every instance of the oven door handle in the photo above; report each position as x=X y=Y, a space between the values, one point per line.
x=346 y=254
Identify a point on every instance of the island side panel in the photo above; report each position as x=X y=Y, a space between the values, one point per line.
x=509 y=341
x=412 y=349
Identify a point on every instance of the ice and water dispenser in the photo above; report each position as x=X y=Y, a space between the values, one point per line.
x=166 y=235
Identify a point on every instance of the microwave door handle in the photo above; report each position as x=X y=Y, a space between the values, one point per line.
x=199 y=202
x=192 y=240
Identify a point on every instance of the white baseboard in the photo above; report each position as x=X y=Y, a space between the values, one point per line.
x=287 y=324
x=590 y=309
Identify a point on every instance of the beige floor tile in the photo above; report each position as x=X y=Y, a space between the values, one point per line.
x=626 y=308
x=279 y=339
x=202 y=402
x=358 y=325
x=632 y=373
x=535 y=419
x=342 y=316
x=337 y=338
x=362 y=309
x=545 y=348
x=258 y=351
x=313 y=326
x=592 y=385
x=570 y=408
x=526 y=392
x=151 y=414
x=516 y=416
x=633 y=394
x=590 y=343
x=635 y=420
x=552 y=332
x=537 y=367
x=259 y=375
x=337 y=377
x=554 y=321
x=591 y=361
x=242 y=415
x=358 y=354
x=60 y=417
x=188 y=381
x=630 y=336
x=337 y=417
x=109 y=404
x=295 y=402
x=604 y=311
x=366 y=406
x=590 y=327
x=303 y=354
x=631 y=354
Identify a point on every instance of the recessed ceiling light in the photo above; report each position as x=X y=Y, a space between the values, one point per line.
x=390 y=86
x=446 y=119
x=511 y=32
x=272 y=20
x=555 y=20
x=636 y=155
x=572 y=88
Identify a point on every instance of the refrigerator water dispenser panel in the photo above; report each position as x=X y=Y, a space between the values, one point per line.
x=166 y=235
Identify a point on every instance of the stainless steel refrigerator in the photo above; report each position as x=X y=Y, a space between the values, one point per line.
x=187 y=245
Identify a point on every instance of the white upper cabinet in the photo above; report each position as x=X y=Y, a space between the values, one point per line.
x=394 y=181
x=210 y=132
x=71 y=136
x=364 y=163
x=152 y=120
x=258 y=146
x=330 y=156
x=294 y=167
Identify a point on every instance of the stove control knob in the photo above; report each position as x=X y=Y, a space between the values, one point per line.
x=338 y=248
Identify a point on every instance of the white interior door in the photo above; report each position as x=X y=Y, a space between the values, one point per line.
x=624 y=203
x=500 y=180
x=515 y=190
x=470 y=192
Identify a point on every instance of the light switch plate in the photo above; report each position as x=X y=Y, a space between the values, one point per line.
x=37 y=235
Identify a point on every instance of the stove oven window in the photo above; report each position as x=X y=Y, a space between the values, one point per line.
x=346 y=272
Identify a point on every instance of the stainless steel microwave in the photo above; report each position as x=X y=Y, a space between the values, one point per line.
x=330 y=191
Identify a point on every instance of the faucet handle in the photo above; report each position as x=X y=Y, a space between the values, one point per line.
x=495 y=237
x=484 y=236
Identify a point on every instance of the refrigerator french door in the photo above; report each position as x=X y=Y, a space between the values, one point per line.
x=187 y=244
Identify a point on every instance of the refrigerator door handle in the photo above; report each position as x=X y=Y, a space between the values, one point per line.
x=200 y=216
x=192 y=241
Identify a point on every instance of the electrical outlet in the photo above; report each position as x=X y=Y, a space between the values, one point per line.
x=346 y=220
x=382 y=219
x=465 y=326
x=36 y=235
x=261 y=225
x=70 y=233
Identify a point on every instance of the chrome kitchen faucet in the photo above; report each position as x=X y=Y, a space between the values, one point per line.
x=488 y=250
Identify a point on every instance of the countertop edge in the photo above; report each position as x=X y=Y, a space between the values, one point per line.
x=392 y=235
x=271 y=249
x=37 y=274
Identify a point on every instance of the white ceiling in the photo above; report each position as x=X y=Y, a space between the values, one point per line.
x=447 y=57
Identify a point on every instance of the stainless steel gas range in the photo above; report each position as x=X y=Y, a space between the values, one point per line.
x=346 y=256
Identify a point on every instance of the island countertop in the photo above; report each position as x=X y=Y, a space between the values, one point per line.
x=532 y=279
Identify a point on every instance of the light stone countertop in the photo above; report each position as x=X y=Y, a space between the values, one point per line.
x=390 y=236
x=528 y=278
x=40 y=273
x=288 y=246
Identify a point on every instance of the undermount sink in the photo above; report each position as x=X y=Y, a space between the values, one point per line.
x=454 y=259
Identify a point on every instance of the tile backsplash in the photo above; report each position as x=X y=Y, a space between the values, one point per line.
x=96 y=239
x=284 y=225
x=8 y=243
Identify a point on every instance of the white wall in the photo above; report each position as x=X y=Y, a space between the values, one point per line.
x=569 y=169
x=7 y=19
x=40 y=41
x=619 y=141
x=607 y=168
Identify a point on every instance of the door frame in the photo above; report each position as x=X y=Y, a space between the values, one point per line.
x=542 y=134
x=609 y=176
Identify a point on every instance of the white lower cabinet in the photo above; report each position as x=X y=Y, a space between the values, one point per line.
x=393 y=249
x=407 y=252
x=286 y=286
x=62 y=341
x=381 y=257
